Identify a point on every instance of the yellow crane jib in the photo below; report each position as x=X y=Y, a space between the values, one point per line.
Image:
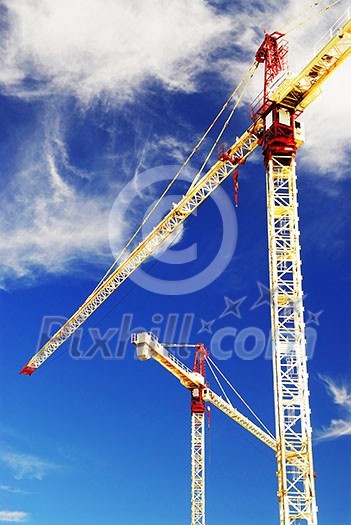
x=240 y=150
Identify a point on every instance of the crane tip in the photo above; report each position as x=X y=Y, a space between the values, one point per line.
x=28 y=370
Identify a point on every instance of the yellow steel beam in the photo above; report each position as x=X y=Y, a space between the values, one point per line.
x=239 y=151
x=299 y=91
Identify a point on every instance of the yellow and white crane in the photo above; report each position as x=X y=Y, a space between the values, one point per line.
x=276 y=128
x=147 y=347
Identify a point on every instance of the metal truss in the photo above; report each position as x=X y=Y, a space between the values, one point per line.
x=299 y=91
x=239 y=151
x=296 y=490
x=198 y=468
x=148 y=347
x=233 y=413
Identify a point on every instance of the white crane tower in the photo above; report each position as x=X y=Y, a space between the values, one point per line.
x=276 y=128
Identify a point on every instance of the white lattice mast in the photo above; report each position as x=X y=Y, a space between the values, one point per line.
x=197 y=405
x=282 y=136
x=296 y=490
x=198 y=468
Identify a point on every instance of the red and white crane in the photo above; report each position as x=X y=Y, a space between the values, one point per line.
x=276 y=128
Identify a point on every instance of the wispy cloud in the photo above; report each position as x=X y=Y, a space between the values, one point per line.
x=44 y=228
x=341 y=396
x=81 y=49
x=174 y=148
x=11 y=490
x=62 y=212
x=26 y=466
x=14 y=516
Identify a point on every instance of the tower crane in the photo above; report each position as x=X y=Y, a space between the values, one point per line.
x=277 y=129
x=147 y=347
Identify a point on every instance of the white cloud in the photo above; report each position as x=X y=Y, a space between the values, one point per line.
x=341 y=396
x=14 y=516
x=47 y=223
x=11 y=490
x=80 y=48
x=55 y=223
x=93 y=47
x=27 y=466
x=336 y=429
x=328 y=131
x=340 y=393
x=175 y=149
x=53 y=215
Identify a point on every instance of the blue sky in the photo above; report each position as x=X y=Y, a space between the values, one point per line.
x=100 y=103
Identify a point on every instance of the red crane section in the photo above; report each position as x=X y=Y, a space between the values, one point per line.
x=197 y=402
x=273 y=52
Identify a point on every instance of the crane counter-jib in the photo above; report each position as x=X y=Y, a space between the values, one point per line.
x=147 y=347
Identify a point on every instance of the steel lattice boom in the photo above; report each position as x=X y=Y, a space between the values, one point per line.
x=210 y=181
x=233 y=413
